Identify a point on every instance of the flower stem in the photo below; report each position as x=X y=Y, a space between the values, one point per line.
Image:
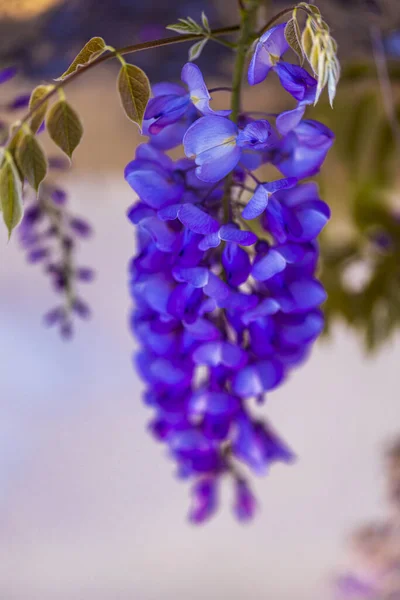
x=246 y=33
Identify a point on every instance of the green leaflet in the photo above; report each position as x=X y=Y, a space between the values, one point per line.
x=134 y=92
x=37 y=97
x=205 y=22
x=293 y=38
x=64 y=127
x=31 y=160
x=196 y=49
x=10 y=193
x=188 y=25
x=307 y=40
x=92 y=49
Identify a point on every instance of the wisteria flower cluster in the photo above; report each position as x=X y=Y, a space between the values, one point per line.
x=225 y=305
x=49 y=234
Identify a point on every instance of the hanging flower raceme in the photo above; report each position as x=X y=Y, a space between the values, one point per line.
x=50 y=234
x=224 y=311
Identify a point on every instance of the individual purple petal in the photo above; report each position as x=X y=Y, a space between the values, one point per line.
x=169 y=213
x=202 y=329
x=139 y=211
x=245 y=503
x=292 y=253
x=240 y=302
x=184 y=302
x=304 y=294
x=296 y=80
x=197 y=220
x=231 y=233
x=216 y=288
x=199 y=95
x=257 y=204
x=7 y=73
x=196 y=276
x=216 y=353
x=212 y=240
x=269 y=265
x=37 y=255
x=302 y=330
x=212 y=142
x=259 y=446
x=255 y=135
x=258 y=378
x=311 y=219
x=213 y=403
x=195 y=449
x=236 y=263
x=148 y=153
x=270 y=47
x=165 y=110
x=21 y=101
x=54 y=316
x=280 y=184
x=304 y=149
x=81 y=308
x=165 y=88
x=164 y=371
x=85 y=274
x=289 y=119
x=268 y=306
x=153 y=184
x=233 y=356
x=81 y=227
x=164 y=239
x=59 y=196
x=205 y=500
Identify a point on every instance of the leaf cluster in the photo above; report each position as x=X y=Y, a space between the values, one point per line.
x=367 y=160
x=315 y=44
x=23 y=159
x=190 y=26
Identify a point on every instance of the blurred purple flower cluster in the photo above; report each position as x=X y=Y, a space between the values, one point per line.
x=49 y=234
x=224 y=311
x=374 y=568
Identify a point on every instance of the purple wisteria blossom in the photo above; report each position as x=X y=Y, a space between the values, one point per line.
x=224 y=311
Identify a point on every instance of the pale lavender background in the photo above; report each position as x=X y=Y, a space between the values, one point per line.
x=89 y=508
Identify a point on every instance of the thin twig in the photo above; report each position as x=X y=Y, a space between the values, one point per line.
x=112 y=54
x=220 y=89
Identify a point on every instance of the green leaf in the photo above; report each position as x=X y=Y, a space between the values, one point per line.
x=332 y=83
x=188 y=25
x=205 y=22
x=315 y=57
x=134 y=91
x=10 y=193
x=307 y=40
x=16 y=135
x=64 y=127
x=91 y=50
x=31 y=160
x=293 y=38
x=196 y=49
x=37 y=97
x=323 y=75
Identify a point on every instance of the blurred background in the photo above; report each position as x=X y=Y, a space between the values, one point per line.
x=89 y=507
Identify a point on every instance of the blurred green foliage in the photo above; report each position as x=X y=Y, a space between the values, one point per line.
x=361 y=181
